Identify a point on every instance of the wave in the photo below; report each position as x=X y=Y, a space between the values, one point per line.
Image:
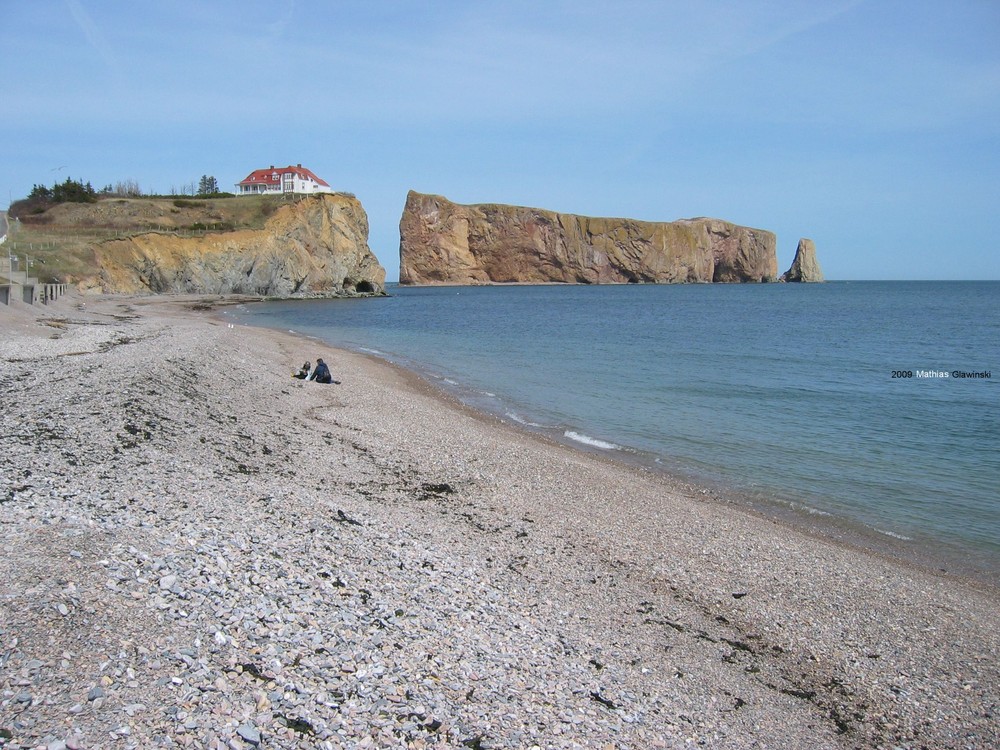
x=592 y=442
x=515 y=417
x=894 y=535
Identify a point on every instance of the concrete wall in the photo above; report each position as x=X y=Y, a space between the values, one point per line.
x=17 y=286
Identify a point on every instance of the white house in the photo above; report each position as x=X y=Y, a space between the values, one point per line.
x=288 y=179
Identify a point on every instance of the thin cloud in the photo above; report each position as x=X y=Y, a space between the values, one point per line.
x=94 y=36
x=813 y=17
x=277 y=28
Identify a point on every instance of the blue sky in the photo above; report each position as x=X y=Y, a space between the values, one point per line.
x=872 y=127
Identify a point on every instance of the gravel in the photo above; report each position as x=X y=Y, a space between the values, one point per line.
x=197 y=550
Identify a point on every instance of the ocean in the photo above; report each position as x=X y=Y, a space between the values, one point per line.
x=866 y=410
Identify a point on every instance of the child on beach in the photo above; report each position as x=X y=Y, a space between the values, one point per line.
x=303 y=372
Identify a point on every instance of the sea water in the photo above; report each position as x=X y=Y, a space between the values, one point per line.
x=844 y=401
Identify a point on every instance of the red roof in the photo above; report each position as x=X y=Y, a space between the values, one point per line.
x=272 y=175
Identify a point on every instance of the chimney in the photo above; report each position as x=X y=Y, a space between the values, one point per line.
x=299 y=166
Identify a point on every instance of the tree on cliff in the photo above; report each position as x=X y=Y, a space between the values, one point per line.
x=70 y=191
x=208 y=185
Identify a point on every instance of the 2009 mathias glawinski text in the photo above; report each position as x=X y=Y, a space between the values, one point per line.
x=982 y=375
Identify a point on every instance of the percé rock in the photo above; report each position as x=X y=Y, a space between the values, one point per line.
x=315 y=246
x=447 y=243
x=804 y=267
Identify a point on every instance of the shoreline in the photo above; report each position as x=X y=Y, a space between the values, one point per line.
x=796 y=517
x=927 y=554
x=284 y=564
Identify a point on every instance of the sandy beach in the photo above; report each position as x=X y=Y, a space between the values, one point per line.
x=200 y=551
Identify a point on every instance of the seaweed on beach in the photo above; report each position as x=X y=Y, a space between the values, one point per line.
x=435 y=490
x=598 y=698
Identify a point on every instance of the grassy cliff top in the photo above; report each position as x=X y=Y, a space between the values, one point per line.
x=57 y=240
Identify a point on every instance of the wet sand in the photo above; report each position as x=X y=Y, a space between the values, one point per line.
x=372 y=564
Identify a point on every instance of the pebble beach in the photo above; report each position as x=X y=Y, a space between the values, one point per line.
x=197 y=550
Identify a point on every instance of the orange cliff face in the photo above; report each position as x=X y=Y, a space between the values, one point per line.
x=315 y=246
x=447 y=243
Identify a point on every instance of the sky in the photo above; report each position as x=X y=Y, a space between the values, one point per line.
x=869 y=126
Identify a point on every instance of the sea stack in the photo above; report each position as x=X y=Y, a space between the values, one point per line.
x=448 y=243
x=804 y=267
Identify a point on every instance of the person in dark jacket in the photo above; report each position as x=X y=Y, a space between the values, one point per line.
x=321 y=373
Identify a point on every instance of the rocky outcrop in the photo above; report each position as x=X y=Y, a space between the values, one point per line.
x=447 y=243
x=804 y=267
x=315 y=246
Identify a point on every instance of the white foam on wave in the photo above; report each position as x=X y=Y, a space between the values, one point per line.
x=894 y=535
x=369 y=351
x=810 y=510
x=515 y=417
x=449 y=381
x=592 y=442
x=817 y=512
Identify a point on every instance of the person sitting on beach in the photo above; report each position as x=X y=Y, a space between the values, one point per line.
x=303 y=373
x=322 y=373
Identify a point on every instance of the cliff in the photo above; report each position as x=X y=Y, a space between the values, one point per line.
x=317 y=245
x=447 y=243
x=804 y=266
